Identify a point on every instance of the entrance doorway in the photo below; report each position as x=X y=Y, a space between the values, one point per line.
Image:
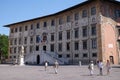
x=111 y=59
x=44 y=48
x=38 y=59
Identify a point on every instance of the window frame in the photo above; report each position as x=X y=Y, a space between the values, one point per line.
x=44 y=24
x=68 y=34
x=93 y=10
x=76 y=45
x=52 y=47
x=53 y=22
x=84 y=13
x=38 y=25
x=76 y=16
x=60 y=47
x=60 y=36
x=93 y=29
x=84 y=43
x=76 y=32
x=52 y=36
x=94 y=43
x=68 y=46
x=84 y=31
x=68 y=18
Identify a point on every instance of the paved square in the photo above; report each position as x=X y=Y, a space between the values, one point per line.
x=10 y=72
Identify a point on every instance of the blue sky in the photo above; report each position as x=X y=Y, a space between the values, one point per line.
x=12 y=11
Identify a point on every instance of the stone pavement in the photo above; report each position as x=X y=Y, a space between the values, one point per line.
x=10 y=72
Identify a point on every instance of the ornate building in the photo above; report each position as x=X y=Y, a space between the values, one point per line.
x=84 y=32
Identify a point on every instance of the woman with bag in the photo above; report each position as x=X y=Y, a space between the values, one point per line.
x=108 y=67
x=91 y=68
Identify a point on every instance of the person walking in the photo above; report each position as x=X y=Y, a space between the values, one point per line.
x=46 y=65
x=97 y=63
x=108 y=67
x=101 y=67
x=91 y=68
x=56 y=65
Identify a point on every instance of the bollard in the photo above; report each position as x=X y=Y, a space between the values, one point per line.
x=79 y=63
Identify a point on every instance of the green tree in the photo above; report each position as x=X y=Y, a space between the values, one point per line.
x=4 y=44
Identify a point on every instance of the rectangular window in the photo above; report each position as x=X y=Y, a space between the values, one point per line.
x=10 y=50
x=19 y=49
x=20 y=41
x=76 y=55
x=52 y=47
x=93 y=10
x=68 y=19
x=68 y=46
x=31 y=27
x=10 y=57
x=31 y=49
x=15 y=41
x=85 y=55
x=31 y=40
x=25 y=40
x=60 y=35
x=118 y=32
x=76 y=45
x=45 y=24
x=12 y=30
x=60 y=55
x=84 y=13
x=15 y=29
x=117 y=13
x=14 y=57
x=60 y=21
x=53 y=23
x=60 y=47
x=25 y=49
x=26 y=28
x=20 y=29
x=76 y=30
x=15 y=50
x=94 y=43
x=76 y=16
x=11 y=42
x=84 y=31
x=94 y=54
x=37 y=48
x=37 y=26
x=93 y=29
x=38 y=39
x=68 y=55
x=84 y=44
x=52 y=36
x=68 y=34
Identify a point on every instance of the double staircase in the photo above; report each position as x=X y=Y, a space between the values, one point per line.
x=51 y=57
x=54 y=56
x=29 y=58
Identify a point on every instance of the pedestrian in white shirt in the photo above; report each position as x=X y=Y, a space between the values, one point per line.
x=108 y=66
x=91 y=68
x=46 y=65
x=56 y=66
x=101 y=67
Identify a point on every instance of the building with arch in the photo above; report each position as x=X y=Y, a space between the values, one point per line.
x=87 y=31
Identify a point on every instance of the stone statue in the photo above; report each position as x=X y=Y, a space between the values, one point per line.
x=21 y=59
x=22 y=50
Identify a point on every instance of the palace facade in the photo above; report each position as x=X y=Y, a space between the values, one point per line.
x=87 y=31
